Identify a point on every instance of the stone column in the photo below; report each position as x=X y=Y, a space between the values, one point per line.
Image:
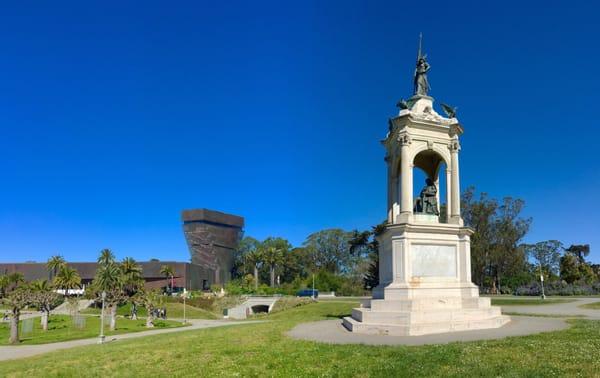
x=455 y=203
x=448 y=194
x=406 y=178
x=391 y=191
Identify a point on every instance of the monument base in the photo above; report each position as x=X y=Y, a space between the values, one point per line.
x=425 y=285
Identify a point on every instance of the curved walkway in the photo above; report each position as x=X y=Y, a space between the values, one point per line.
x=558 y=309
x=333 y=332
x=21 y=351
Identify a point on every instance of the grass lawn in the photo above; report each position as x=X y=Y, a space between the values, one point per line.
x=174 y=310
x=264 y=349
x=61 y=328
x=528 y=302
x=592 y=306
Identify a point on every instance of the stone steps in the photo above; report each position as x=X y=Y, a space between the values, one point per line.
x=416 y=317
x=427 y=304
x=424 y=328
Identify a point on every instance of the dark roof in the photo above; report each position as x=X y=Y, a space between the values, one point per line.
x=87 y=270
x=212 y=216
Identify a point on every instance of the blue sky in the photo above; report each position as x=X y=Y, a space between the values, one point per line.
x=116 y=116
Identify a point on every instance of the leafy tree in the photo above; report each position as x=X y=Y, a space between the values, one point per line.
x=17 y=296
x=169 y=273
x=569 y=268
x=546 y=255
x=44 y=298
x=499 y=228
x=579 y=250
x=151 y=300
x=366 y=242
x=330 y=250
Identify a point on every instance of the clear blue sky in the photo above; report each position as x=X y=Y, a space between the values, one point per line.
x=116 y=116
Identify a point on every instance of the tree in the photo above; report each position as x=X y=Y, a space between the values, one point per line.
x=169 y=273
x=499 y=228
x=44 y=298
x=506 y=258
x=109 y=279
x=54 y=265
x=272 y=251
x=151 y=300
x=17 y=296
x=133 y=281
x=579 y=250
x=67 y=279
x=249 y=258
x=573 y=266
x=546 y=255
x=330 y=250
x=365 y=244
x=569 y=268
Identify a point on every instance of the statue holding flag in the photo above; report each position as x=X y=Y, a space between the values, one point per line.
x=420 y=80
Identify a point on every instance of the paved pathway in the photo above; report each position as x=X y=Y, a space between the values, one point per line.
x=21 y=351
x=558 y=309
x=332 y=331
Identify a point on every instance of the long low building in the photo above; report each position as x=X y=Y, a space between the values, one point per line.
x=190 y=276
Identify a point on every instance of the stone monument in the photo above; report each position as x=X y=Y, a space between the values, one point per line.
x=424 y=261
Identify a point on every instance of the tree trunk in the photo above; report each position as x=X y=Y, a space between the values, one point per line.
x=113 y=317
x=45 y=316
x=14 y=328
x=255 y=277
x=150 y=319
x=272 y=269
x=134 y=311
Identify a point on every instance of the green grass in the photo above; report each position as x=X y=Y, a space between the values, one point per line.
x=174 y=310
x=263 y=349
x=61 y=328
x=592 y=306
x=528 y=302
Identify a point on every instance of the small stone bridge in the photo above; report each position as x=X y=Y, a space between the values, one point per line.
x=252 y=305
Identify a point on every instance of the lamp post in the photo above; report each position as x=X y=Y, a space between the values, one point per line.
x=542 y=281
x=313 y=290
x=101 y=340
x=184 y=296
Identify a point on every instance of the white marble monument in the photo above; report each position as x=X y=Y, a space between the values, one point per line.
x=424 y=261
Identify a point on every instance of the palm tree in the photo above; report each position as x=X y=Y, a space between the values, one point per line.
x=106 y=257
x=254 y=258
x=169 y=273
x=109 y=279
x=133 y=281
x=67 y=279
x=272 y=256
x=54 y=265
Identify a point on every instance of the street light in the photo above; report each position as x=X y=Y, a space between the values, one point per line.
x=542 y=281
x=101 y=340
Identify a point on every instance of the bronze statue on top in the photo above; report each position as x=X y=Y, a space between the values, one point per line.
x=427 y=202
x=421 y=84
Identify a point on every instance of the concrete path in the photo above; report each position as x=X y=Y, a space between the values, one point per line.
x=333 y=332
x=557 y=309
x=22 y=351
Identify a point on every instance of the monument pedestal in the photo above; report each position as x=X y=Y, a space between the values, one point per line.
x=425 y=284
